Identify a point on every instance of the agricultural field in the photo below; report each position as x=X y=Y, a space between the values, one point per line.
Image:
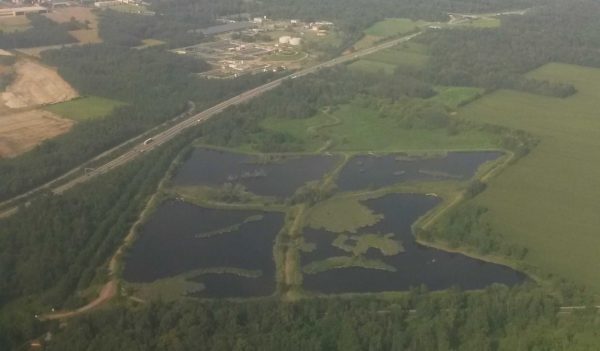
x=22 y=131
x=410 y=55
x=36 y=84
x=85 y=108
x=369 y=66
x=548 y=201
x=14 y=24
x=482 y=22
x=353 y=127
x=394 y=26
x=83 y=15
x=388 y=28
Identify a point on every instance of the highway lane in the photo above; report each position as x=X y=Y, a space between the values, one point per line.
x=165 y=136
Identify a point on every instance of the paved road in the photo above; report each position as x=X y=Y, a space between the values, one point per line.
x=172 y=132
x=165 y=136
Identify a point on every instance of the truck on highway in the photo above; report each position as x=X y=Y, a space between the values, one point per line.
x=148 y=141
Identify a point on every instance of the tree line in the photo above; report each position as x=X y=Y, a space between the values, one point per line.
x=498 y=318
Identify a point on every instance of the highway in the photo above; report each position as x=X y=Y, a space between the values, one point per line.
x=166 y=135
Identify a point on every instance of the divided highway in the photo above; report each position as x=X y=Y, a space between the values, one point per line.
x=164 y=136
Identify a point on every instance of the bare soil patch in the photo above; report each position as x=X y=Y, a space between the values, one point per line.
x=36 y=85
x=81 y=14
x=22 y=131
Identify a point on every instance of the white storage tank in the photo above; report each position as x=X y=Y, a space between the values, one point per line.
x=295 y=41
x=284 y=39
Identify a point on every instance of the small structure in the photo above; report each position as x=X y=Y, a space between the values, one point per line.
x=295 y=41
x=104 y=4
x=284 y=39
x=21 y=11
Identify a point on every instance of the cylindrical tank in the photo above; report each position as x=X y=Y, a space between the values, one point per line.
x=284 y=39
x=295 y=41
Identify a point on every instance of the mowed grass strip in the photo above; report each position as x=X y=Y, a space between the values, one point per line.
x=549 y=200
x=394 y=26
x=85 y=108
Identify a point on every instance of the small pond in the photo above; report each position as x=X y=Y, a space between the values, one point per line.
x=417 y=265
x=279 y=178
x=366 y=171
x=180 y=237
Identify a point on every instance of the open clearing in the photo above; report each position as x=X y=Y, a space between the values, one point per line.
x=85 y=108
x=387 y=28
x=394 y=26
x=548 y=201
x=36 y=85
x=410 y=55
x=20 y=132
x=353 y=127
x=81 y=14
x=454 y=97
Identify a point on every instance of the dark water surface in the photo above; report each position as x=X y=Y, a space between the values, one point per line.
x=415 y=266
x=281 y=178
x=169 y=245
x=364 y=171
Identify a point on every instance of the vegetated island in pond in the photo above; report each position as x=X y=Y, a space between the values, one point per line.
x=327 y=242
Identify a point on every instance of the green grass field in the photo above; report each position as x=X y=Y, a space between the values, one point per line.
x=483 y=22
x=370 y=66
x=548 y=201
x=394 y=26
x=356 y=128
x=454 y=97
x=85 y=108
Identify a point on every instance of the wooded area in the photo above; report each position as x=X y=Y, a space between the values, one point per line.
x=496 y=319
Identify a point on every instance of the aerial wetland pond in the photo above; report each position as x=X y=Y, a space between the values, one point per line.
x=231 y=250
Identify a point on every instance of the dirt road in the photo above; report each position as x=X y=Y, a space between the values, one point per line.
x=108 y=292
x=36 y=85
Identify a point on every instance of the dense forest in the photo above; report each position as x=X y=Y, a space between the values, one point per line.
x=43 y=32
x=56 y=245
x=130 y=29
x=496 y=58
x=524 y=318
